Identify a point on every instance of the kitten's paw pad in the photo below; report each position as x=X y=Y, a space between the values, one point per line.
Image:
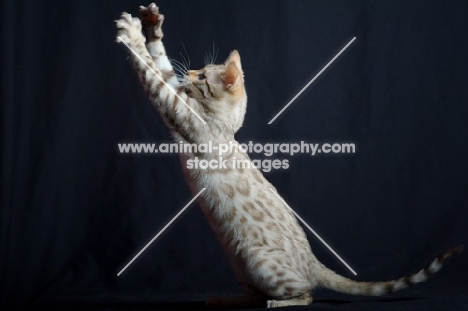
x=129 y=28
x=149 y=13
x=152 y=21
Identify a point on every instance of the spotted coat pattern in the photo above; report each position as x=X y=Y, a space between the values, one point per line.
x=267 y=247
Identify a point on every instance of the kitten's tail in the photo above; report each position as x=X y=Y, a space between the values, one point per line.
x=329 y=279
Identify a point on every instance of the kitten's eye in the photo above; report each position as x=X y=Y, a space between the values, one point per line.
x=201 y=76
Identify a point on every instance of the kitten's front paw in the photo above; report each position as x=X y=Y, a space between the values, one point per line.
x=129 y=29
x=152 y=21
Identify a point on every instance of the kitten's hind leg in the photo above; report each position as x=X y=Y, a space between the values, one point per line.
x=236 y=302
x=152 y=21
x=302 y=300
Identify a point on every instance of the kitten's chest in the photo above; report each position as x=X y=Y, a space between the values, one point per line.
x=221 y=212
x=220 y=192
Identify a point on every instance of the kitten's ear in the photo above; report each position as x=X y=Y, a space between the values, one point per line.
x=231 y=78
x=234 y=57
x=233 y=75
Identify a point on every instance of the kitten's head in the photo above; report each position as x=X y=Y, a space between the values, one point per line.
x=220 y=89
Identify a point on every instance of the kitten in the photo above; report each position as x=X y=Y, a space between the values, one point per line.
x=268 y=250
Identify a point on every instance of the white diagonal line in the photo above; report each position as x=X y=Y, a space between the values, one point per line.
x=313 y=231
x=161 y=79
x=313 y=79
x=162 y=230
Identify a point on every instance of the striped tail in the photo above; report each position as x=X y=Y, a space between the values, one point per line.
x=333 y=281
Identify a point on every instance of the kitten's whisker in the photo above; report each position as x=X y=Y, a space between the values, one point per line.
x=184 y=61
x=179 y=63
x=216 y=56
x=213 y=55
x=181 y=79
x=188 y=57
x=176 y=61
x=210 y=57
x=177 y=69
x=179 y=66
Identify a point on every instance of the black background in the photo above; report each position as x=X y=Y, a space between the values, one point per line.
x=74 y=211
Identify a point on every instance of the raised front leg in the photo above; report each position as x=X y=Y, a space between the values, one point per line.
x=182 y=113
x=152 y=21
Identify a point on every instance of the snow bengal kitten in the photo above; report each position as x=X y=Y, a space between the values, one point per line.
x=267 y=248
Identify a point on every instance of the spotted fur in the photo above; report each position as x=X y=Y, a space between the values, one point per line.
x=267 y=247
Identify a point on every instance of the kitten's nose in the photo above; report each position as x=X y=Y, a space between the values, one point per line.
x=192 y=74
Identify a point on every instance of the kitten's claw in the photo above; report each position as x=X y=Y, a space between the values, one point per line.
x=129 y=28
x=152 y=22
x=154 y=9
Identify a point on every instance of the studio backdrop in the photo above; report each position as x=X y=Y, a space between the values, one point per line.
x=75 y=209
